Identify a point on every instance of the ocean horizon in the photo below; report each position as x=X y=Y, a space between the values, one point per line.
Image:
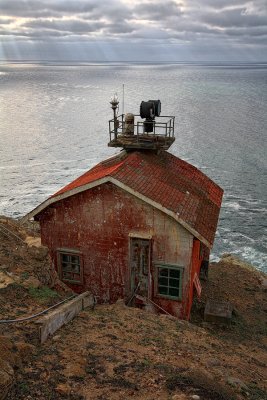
x=129 y=62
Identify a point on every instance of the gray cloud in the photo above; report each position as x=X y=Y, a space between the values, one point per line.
x=157 y=11
x=24 y=8
x=45 y=8
x=40 y=34
x=57 y=8
x=112 y=10
x=118 y=24
x=6 y=21
x=119 y=28
x=216 y=4
x=236 y=17
x=71 y=26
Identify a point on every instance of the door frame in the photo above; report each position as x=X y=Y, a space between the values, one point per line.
x=141 y=237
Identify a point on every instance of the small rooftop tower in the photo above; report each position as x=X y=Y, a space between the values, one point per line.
x=144 y=131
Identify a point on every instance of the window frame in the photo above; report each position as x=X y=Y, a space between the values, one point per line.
x=169 y=267
x=74 y=253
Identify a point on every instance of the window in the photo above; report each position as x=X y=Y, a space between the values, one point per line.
x=70 y=268
x=169 y=281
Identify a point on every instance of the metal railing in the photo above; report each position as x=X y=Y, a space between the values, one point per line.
x=159 y=128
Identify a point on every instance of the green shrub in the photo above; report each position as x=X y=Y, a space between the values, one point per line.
x=42 y=294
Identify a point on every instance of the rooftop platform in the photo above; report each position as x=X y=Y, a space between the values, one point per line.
x=135 y=137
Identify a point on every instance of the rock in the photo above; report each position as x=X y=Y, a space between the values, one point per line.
x=31 y=282
x=56 y=337
x=6 y=352
x=226 y=255
x=195 y=397
x=213 y=362
x=63 y=388
x=6 y=378
x=5 y=280
x=25 y=349
x=264 y=284
x=120 y=303
x=179 y=397
x=39 y=253
x=33 y=241
x=236 y=382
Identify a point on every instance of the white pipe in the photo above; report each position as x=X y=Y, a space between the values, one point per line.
x=123 y=99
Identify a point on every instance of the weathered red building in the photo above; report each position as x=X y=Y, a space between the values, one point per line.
x=136 y=226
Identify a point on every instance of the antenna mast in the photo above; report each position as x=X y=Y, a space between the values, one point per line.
x=123 y=99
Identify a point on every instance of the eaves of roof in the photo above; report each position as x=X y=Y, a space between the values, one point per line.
x=161 y=180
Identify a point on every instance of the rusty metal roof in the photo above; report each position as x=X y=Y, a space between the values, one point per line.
x=165 y=181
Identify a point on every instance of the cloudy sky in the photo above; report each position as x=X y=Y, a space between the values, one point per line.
x=133 y=30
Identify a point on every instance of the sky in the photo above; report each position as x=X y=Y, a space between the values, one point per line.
x=133 y=30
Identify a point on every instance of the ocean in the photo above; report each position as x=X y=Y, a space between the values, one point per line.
x=54 y=127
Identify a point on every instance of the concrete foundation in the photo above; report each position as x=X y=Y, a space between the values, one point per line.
x=218 y=312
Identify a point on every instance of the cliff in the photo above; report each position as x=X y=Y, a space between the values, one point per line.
x=117 y=352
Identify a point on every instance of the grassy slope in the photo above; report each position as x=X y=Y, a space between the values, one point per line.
x=116 y=352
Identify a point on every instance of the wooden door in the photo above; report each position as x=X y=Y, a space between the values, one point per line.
x=140 y=255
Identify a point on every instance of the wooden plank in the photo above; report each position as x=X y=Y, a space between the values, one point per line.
x=51 y=322
x=197 y=285
x=88 y=301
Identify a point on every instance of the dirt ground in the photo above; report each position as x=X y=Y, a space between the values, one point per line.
x=117 y=352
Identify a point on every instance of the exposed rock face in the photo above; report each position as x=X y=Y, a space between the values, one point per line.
x=23 y=259
x=24 y=264
x=32 y=282
x=42 y=265
x=118 y=352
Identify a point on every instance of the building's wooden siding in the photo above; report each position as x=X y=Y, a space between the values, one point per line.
x=98 y=222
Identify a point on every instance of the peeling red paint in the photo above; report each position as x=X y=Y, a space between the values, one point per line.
x=166 y=180
x=97 y=223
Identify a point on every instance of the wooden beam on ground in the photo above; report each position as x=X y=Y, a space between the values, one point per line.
x=54 y=320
